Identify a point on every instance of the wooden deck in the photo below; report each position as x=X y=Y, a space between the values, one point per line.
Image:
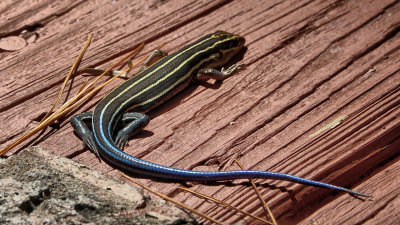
x=309 y=63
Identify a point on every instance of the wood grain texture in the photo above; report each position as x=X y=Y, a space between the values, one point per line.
x=308 y=63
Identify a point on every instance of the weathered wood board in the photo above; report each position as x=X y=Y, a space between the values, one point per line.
x=309 y=63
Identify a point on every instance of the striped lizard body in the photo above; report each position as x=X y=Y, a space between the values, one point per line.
x=151 y=87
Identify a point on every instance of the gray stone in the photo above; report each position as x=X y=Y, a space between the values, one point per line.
x=39 y=188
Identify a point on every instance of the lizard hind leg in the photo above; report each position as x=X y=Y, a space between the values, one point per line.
x=79 y=122
x=135 y=122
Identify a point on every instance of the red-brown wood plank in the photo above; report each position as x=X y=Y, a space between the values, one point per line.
x=382 y=209
x=308 y=63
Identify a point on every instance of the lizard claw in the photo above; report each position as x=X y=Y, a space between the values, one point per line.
x=121 y=140
x=90 y=143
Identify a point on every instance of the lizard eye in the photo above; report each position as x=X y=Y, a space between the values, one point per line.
x=221 y=55
x=234 y=43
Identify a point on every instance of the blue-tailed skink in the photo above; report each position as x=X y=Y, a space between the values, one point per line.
x=125 y=105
